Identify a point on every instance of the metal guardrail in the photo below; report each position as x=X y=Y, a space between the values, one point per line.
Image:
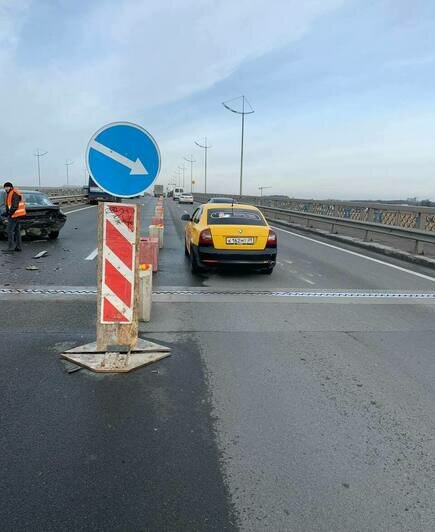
x=63 y=200
x=56 y=191
x=287 y=215
x=406 y=216
x=402 y=221
x=61 y=195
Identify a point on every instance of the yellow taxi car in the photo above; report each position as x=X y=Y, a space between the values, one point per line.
x=222 y=234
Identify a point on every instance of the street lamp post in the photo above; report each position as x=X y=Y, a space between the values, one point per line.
x=182 y=168
x=38 y=154
x=243 y=113
x=191 y=161
x=68 y=164
x=205 y=146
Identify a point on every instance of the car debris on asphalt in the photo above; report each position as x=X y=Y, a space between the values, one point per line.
x=40 y=254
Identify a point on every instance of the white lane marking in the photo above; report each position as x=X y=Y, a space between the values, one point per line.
x=92 y=255
x=296 y=273
x=301 y=277
x=82 y=209
x=405 y=270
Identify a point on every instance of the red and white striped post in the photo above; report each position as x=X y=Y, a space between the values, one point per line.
x=118 y=347
x=118 y=255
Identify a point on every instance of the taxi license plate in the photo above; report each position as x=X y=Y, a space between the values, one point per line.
x=237 y=240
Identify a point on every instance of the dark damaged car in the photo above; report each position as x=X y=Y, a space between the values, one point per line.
x=43 y=218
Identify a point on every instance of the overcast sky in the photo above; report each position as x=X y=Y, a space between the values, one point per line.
x=343 y=90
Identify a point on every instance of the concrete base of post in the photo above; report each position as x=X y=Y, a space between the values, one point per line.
x=89 y=357
x=145 y=292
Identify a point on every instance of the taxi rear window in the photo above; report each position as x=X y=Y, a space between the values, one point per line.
x=230 y=216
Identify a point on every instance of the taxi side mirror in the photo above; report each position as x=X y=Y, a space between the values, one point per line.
x=186 y=217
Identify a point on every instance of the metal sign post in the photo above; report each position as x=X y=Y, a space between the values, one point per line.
x=124 y=160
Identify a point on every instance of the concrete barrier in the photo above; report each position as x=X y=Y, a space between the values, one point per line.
x=156 y=220
x=156 y=231
x=145 y=291
x=149 y=252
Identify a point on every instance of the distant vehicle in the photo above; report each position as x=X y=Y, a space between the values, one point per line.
x=43 y=218
x=221 y=200
x=185 y=198
x=158 y=190
x=96 y=194
x=228 y=235
x=177 y=193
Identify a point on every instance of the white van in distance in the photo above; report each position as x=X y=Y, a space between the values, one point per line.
x=177 y=193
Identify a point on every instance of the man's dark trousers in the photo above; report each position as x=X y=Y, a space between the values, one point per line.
x=14 y=233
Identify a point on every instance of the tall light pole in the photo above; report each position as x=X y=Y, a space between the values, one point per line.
x=182 y=168
x=191 y=161
x=68 y=164
x=205 y=146
x=243 y=113
x=261 y=190
x=38 y=154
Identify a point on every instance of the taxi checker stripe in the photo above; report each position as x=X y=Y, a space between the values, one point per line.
x=118 y=263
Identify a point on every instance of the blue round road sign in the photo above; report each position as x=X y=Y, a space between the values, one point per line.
x=123 y=159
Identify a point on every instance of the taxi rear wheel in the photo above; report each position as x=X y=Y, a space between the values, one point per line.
x=194 y=266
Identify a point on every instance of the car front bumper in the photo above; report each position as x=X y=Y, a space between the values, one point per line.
x=37 y=226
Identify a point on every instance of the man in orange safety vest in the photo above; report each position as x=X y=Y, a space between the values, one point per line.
x=15 y=210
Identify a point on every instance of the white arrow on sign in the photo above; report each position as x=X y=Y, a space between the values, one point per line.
x=136 y=167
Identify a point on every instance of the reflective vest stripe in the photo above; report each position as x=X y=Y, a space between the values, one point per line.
x=21 y=210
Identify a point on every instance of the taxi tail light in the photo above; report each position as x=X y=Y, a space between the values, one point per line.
x=205 y=238
x=271 y=239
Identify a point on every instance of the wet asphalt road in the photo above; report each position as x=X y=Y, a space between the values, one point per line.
x=271 y=414
x=82 y=451
x=302 y=264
